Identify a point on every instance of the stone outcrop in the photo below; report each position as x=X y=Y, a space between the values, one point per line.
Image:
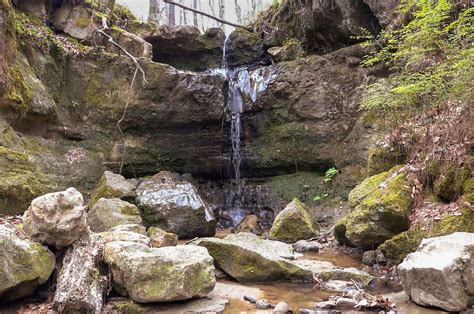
x=247 y=258
x=110 y=212
x=320 y=25
x=165 y=274
x=184 y=47
x=384 y=10
x=307 y=119
x=441 y=272
x=245 y=48
x=174 y=205
x=56 y=219
x=380 y=209
x=24 y=265
x=294 y=223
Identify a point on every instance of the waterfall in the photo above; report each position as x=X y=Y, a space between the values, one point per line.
x=242 y=84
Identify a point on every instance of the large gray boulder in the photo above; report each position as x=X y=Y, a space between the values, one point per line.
x=294 y=223
x=165 y=274
x=441 y=272
x=174 y=205
x=56 y=219
x=248 y=258
x=107 y=213
x=23 y=265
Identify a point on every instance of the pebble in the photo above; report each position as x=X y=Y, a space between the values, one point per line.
x=325 y=305
x=282 y=307
x=307 y=246
x=345 y=304
x=262 y=304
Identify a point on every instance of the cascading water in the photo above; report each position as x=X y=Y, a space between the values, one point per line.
x=242 y=83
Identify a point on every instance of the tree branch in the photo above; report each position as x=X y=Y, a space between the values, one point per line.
x=208 y=15
x=138 y=68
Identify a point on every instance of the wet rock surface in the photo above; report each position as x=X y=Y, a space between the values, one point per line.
x=174 y=205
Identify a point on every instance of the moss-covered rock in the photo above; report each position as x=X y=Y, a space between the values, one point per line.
x=25 y=265
x=397 y=248
x=21 y=181
x=469 y=190
x=160 y=274
x=294 y=223
x=382 y=159
x=107 y=213
x=380 y=209
x=449 y=183
x=161 y=238
x=248 y=258
x=292 y=49
x=112 y=185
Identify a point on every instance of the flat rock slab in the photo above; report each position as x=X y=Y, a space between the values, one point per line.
x=247 y=258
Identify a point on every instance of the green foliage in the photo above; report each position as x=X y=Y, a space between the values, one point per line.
x=330 y=173
x=432 y=57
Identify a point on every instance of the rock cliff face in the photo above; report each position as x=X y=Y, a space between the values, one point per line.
x=61 y=102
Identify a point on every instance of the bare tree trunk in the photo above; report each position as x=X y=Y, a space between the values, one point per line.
x=238 y=12
x=195 y=16
x=171 y=15
x=155 y=12
x=81 y=286
x=181 y=14
x=221 y=11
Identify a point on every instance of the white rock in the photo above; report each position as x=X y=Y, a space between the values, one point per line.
x=441 y=272
x=282 y=307
x=56 y=219
x=345 y=304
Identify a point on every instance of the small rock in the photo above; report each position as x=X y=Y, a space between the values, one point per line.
x=129 y=227
x=263 y=304
x=307 y=246
x=345 y=303
x=282 y=307
x=249 y=224
x=129 y=236
x=56 y=219
x=380 y=257
x=326 y=305
x=369 y=258
x=161 y=238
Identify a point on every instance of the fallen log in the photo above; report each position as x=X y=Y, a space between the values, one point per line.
x=81 y=286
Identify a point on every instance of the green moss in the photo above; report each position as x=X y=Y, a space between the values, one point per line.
x=449 y=184
x=469 y=190
x=21 y=181
x=128 y=307
x=397 y=248
x=382 y=159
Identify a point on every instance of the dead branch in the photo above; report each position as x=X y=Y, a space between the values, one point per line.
x=208 y=15
x=130 y=91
